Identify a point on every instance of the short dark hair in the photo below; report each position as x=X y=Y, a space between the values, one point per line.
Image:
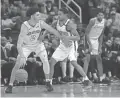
x=100 y=11
x=32 y=11
x=64 y=10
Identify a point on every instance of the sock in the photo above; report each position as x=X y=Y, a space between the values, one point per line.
x=95 y=75
x=51 y=81
x=109 y=74
x=47 y=80
x=11 y=84
x=86 y=78
x=101 y=78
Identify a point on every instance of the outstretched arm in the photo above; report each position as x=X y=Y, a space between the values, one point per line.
x=50 y=29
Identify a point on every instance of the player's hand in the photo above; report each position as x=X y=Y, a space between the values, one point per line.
x=90 y=48
x=41 y=38
x=99 y=50
x=23 y=62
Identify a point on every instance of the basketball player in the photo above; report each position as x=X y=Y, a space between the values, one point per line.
x=30 y=40
x=66 y=29
x=94 y=36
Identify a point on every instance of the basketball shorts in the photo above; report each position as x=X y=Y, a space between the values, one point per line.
x=62 y=53
x=73 y=53
x=39 y=50
x=95 y=46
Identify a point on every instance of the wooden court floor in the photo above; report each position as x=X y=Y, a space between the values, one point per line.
x=65 y=90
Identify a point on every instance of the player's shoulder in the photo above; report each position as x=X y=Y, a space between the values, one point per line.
x=70 y=22
x=24 y=24
x=93 y=19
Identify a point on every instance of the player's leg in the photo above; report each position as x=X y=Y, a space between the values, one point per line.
x=100 y=69
x=46 y=68
x=42 y=53
x=64 y=70
x=58 y=55
x=73 y=60
x=86 y=63
x=18 y=64
x=63 y=65
x=71 y=71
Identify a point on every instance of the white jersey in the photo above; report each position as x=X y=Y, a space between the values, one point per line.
x=31 y=37
x=97 y=29
x=62 y=29
x=95 y=33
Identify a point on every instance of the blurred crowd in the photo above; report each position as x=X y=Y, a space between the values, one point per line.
x=13 y=14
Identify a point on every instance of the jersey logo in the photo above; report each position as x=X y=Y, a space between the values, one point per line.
x=33 y=32
x=32 y=37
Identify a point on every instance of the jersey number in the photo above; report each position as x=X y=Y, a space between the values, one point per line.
x=33 y=37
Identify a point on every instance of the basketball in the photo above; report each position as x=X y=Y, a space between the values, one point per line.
x=21 y=75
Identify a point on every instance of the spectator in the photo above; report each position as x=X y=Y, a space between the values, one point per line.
x=8 y=58
x=49 y=7
x=107 y=13
x=42 y=8
x=106 y=57
x=114 y=20
x=32 y=65
x=7 y=25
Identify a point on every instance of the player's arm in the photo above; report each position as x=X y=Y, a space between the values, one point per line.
x=101 y=40
x=50 y=29
x=71 y=27
x=54 y=24
x=91 y=23
x=21 y=39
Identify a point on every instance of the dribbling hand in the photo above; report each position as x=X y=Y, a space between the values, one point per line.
x=23 y=62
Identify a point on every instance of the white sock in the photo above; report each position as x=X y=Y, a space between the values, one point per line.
x=51 y=81
x=11 y=84
x=47 y=80
x=86 y=78
x=101 y=78
x=95 y=75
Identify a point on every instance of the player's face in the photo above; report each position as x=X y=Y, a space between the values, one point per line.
x=100 y=16
x=61 y=15
x=37 y=16
x=3 y=41
x=109 y=42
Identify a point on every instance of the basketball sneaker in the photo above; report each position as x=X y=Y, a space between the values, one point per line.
x=106 y=81
x=65 y=79
x=87 y=83
x=49 y=86
x=9 y=89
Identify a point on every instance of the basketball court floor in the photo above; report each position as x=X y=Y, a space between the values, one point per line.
x=65 y=90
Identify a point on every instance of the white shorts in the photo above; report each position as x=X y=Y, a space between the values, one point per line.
x=73 y=53
x=62 y=53
x=95 y=46
x=39 y=50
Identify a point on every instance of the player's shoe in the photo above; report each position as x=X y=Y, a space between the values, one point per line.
x=106 y=81
x=9 y=89
x=65 y=79
x=87 y=83
x=49 y=86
